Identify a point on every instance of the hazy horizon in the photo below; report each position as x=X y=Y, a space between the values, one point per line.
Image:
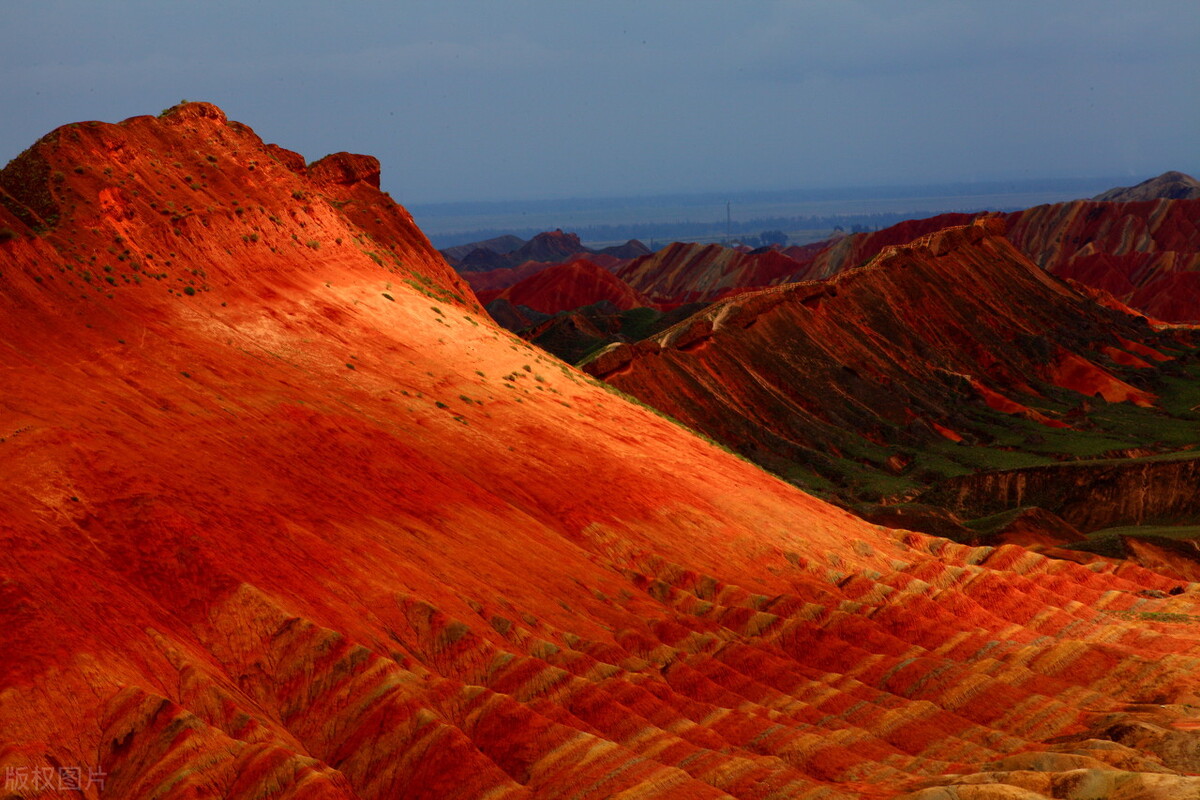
x=535 y=100
x=610 y=220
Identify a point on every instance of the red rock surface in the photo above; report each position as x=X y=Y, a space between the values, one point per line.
x=903 y=347
x=577 y=283
x=1146 y=254
x=859 y=248
x=318 y=529
x=497 y=280
x=683 y=273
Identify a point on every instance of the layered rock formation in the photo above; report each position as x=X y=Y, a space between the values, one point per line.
x=565 y=287
x=1140 y=244
x=857 y=249
x=931 y=342
x=684 y=273
x=287 y=516
x=1146 y=253
x=1089 y=495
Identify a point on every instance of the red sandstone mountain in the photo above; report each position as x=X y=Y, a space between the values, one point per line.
x=565 y=287
x=630 y=250
x=1146 y=254
x=683 y=273
x=857 y=249
x=937 y=339
x=286 y=516
x=496 y=280
x=489 y=272
x=550 y=246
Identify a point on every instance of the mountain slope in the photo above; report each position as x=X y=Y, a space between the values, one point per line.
x=1168 y=186
x=565 y=287
x=851 y=379
x=318 y=529
x=684 y=273
x=1146 y=254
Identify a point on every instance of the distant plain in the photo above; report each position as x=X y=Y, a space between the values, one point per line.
x=805 y=215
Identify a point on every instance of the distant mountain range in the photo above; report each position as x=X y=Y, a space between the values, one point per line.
x=1117 y=256
x=549 y=247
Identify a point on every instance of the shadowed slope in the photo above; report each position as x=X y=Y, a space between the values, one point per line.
x=931 y=342
x=305 y=534
x=565 y=287
x=1146 y=254
x=684 y=273
x=859 y=248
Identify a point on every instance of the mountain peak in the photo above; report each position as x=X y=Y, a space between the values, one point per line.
x=185 y=110
x=346 y=169
x=1168 y=186
x=137 y=200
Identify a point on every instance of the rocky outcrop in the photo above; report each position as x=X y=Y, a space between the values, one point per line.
x=626 y=252
x=346 y=169
x=1088 y=495
x=552 y=247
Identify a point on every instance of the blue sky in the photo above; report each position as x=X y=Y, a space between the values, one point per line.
x=520 y=99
